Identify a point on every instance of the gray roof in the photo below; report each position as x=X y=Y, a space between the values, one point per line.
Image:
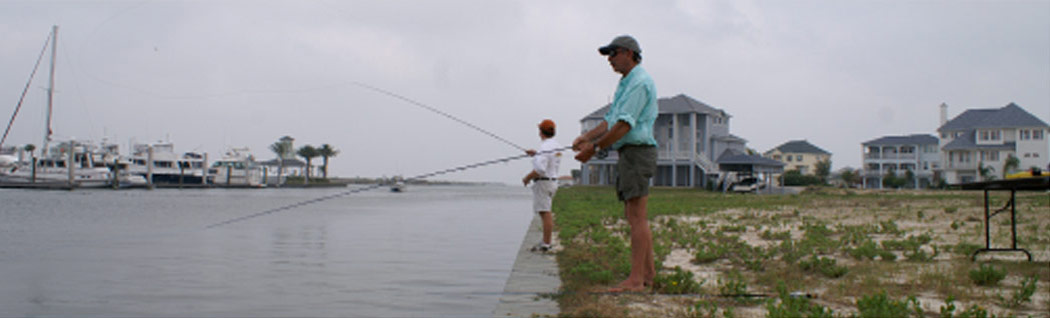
x=966 y=142
x=679 y=104
x=730 y=138
x=1009 y=116
x=916 y=139
x=799 y=146
x=731 y=156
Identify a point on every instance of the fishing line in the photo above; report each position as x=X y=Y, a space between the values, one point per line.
x=375 y=186
x=432 y=109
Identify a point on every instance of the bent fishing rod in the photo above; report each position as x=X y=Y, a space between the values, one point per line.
x=436 y=111
x=379 y=185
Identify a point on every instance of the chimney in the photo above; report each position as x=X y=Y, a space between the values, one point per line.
x=944 y=114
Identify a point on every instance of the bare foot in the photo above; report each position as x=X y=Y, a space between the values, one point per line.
x=628 y=286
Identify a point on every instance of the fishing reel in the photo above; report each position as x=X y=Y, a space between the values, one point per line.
x=602 y=153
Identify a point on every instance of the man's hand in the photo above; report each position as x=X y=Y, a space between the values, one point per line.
x=586 y=151
x=530 y=152
x=576 y=143
x=526 y=179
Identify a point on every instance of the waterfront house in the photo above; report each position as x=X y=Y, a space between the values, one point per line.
x=985 y=138
x=897 y=155
x=798 y=155
x=691 y=137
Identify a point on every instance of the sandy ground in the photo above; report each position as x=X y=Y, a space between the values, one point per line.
x=912 y=218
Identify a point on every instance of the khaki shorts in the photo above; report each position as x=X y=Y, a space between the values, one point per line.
x=543 y=194
x=636 y=166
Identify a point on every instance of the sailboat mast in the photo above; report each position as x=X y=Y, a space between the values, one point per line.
x=51 y=90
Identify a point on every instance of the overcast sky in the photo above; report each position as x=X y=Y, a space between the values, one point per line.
x=208 y=75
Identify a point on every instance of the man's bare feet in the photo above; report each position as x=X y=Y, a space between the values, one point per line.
x=628 y=286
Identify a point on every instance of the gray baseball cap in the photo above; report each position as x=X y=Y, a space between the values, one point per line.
x=624 y=41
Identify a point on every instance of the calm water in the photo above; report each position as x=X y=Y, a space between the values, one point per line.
x=432 y=251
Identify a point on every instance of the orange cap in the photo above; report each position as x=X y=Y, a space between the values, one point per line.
x=547 y=125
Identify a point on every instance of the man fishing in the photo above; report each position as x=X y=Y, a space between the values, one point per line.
x=629 y=130
x=544 y=174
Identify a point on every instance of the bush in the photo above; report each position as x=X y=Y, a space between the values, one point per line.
x=825 y=266
x=1022 y=295
x=677 y=283
x=793 y=307
x=987 y=275
x=733 y=285
x=796 y=178
x=880 y=305
x=709 y=252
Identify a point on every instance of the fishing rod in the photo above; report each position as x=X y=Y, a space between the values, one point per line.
x=378 y=185
x=432 y=109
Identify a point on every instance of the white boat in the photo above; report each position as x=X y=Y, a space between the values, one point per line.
x=57 y=169
x=168 y=167
x=397 y=184
x=237 y=168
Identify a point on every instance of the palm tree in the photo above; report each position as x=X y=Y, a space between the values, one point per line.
x=1010 y=165
x=30 y=148
x=280 y=148
x=326 y=151
x=308 y=152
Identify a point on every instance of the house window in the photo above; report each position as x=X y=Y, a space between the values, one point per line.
x=789 y=158
x=776 y=157
x=925 y=166
x=1024 y=134
x=1037 y=134
x=984 y=135
x=944 y=135
x=798 y=158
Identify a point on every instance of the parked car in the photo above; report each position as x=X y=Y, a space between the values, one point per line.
x=749 y=184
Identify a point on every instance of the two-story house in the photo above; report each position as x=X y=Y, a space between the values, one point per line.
x=985 y=138
x=899 y=154
x=798 y=155
x=691 y=136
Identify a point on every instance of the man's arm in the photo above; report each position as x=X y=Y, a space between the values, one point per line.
x=587 y=149
x=589 y=136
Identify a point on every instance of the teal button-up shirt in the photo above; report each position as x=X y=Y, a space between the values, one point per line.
x=634 y=104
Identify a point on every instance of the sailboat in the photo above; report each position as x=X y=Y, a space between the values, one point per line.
x=69 y=164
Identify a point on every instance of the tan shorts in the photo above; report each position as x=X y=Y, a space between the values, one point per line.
x=543 y=194
x=636 y=166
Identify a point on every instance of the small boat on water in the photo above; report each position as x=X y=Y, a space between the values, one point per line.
x=397 y=184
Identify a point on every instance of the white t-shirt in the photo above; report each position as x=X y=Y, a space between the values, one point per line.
x=546 y=162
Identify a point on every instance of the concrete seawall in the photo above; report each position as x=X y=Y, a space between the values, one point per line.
x=533 y=276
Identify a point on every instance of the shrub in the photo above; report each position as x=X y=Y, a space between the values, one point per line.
x=880 y=305
x=966 y=248
x=975 y=311
x=825 y=266
x=987 y=275
x=677 y=283
x=709 y=252
x=1022 y=295
x=733 y=285
x=792 y=307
